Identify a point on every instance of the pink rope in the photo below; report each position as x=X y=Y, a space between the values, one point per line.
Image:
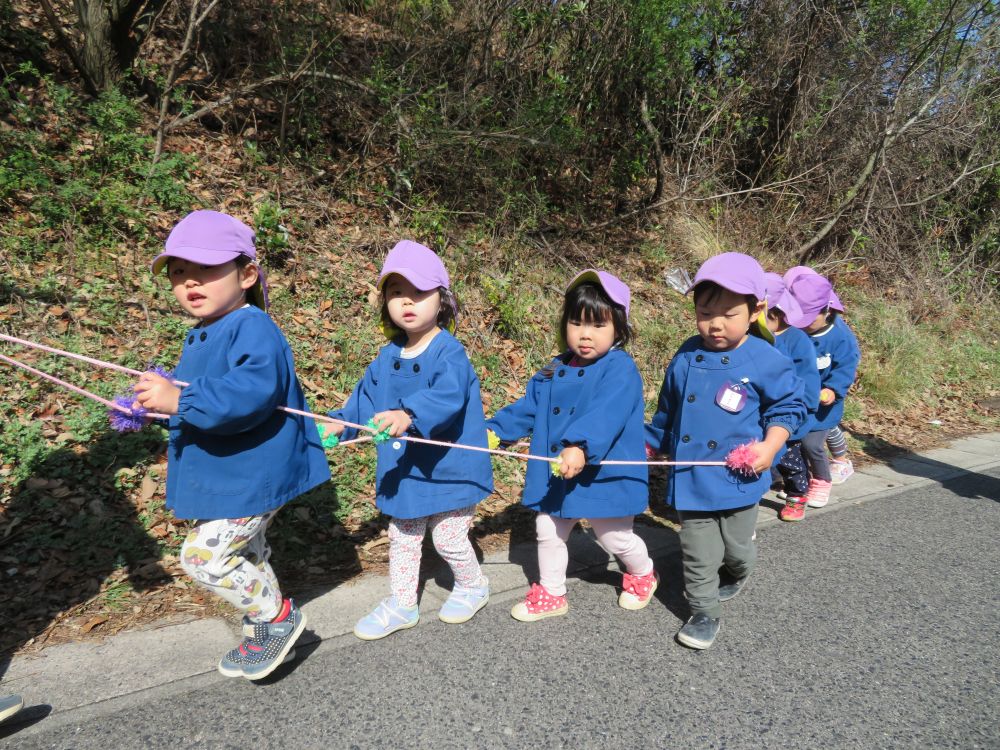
x=320 y=417
x=81 y=391
x=130 y=371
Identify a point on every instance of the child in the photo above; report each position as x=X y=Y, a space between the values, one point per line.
x=841 y=467
x=423 y=384
x=234 y=459
x=584 y=407
x=837 y=358
x=783 y=317
x=722 y=389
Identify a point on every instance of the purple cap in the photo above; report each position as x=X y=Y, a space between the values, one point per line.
x=737 y=272
x=212 y=238
x=793 y=273
x=614 y=287
x=417 y=264
x=812 y=292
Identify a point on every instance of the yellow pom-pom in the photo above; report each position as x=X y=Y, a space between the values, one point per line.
x=492 y=440
x=556 y=468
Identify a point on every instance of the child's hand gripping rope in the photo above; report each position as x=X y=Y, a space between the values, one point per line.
x=137 y=416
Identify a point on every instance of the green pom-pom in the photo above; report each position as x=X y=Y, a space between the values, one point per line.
x=328 y=441
x=554 y=467
x=378 y=437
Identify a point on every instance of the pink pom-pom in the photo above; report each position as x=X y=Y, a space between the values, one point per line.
x=741 y=459
x=133 y=421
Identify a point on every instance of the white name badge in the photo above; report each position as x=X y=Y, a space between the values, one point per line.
x=823 y=362
x=732 y=397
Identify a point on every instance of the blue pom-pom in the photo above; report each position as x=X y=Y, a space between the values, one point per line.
x=133 y=421
x=163 y=372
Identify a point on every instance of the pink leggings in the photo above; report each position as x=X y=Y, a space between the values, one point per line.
x=614 y=534
x=450 y=532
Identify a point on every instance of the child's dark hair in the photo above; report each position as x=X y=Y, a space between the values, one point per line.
x=589 y=302
x=447 y=313
x=709 y=292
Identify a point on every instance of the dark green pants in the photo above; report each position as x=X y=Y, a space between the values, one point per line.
x=710 y=540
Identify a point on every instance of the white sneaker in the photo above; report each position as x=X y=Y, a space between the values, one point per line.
x=841 y=471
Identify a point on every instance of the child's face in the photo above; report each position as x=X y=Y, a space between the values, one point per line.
x=819 y=323
x=723 y=319
x=590 y=340
x=412 y=311
x=776 y=323
x=210 y=292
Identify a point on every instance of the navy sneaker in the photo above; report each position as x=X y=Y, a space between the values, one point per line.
x=231 y=665
x=10 y=705
x=271 y=644
x=729 y=586
x=699 y=631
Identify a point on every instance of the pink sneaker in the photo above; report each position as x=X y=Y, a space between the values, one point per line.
x=819 y=493
x=539 y=604
x=794 y=510
x=637 y=590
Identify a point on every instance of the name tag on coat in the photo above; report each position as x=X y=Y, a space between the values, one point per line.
x=732 y=397
x=823 y=362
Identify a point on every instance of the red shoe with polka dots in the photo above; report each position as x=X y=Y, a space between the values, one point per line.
x=539 y=604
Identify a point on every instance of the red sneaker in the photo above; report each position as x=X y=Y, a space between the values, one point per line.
x=539 y=604
x=637 y=590
x=794 y=510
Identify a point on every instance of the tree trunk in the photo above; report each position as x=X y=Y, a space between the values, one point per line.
x=100 y=58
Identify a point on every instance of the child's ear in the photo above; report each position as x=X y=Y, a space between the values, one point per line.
x=248 y=276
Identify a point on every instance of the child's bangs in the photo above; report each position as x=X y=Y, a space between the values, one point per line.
x=589 y=306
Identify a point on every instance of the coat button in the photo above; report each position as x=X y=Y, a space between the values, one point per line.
x=579 y=373
x=686 y=439
x=191 y=339
x=203 y=336
x=699 y=358
x=555 y=410
x=572 y=410
x=416 y=368
x=395 y=365
x=712 y=444
x=561 y=373
x=554 y=448
x=725 y=360
x=691 y=399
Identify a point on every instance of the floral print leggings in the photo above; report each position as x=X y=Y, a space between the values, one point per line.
x=230 y=557
x=450 y=532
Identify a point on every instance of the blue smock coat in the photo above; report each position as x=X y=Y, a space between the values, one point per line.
x=439 y=389
x=795 y=344
x=598 y=408
x=232 y=454
x=837 y=357
x=690 y=426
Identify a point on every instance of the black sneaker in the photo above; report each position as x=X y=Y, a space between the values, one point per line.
x=730 y=587
x=699 y=631
x=271 y=644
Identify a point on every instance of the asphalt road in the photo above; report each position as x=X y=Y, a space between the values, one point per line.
x=872 y=626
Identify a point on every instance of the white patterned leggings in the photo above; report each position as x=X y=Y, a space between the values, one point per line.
x=230 y=557
x=450 y=532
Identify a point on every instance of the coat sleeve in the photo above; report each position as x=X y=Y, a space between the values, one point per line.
x=360 y=407
x=659 y=428
x=434 y=408
x=804 y=359
x=246 y=395
x=844 y=366
x=518 y=419
x=598 y=428
x=781 y=395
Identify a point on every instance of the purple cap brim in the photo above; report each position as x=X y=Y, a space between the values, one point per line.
x=614 y=287
x=194 y=255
